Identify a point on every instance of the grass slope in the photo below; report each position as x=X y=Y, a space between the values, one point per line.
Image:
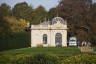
x=44 y=50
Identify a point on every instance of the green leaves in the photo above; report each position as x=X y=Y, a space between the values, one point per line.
x=39 y=14
x=23 y=11
x=79 y=13
x=85 y=58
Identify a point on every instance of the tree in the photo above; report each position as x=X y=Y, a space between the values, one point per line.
x=16 y=25
x=52 y=13
x=5 y=10
x=78 y=13
x=39 y=15
x=23 y=11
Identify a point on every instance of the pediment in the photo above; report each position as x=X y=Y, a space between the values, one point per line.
x=59 y=25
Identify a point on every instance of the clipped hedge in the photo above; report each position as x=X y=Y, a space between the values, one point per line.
x=30 y=59
x=87 y=58
x=44 y=59
x=14 y=41
x=10 y=59
x=5 y=59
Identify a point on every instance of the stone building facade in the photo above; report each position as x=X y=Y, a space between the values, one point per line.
x=49 y=33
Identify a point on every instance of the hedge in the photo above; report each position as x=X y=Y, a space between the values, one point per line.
x=88 y=58
x=84 y=58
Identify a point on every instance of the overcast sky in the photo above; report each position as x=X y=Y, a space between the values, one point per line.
x=35 y=3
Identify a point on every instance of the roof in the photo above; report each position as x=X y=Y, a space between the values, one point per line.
x=54 y=20
x=45 y=23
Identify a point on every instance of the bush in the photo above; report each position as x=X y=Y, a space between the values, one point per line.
x=14 y=41
x=30 y=59
x=43 y=59
x=6 y=59
x=85 y=58
x=81 y=59
x=10 y=59
x=21 y=58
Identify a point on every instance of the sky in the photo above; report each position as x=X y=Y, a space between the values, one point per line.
x=34 y=3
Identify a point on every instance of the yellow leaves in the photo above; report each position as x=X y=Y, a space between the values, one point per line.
x=84 y=58
x=16 y=25
x=10 y=19
x=23 y=23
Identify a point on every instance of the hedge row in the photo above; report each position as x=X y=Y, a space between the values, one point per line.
x=14 y=41
x=81 y=59
x=48 y=59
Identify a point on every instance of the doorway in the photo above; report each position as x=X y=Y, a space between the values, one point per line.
x=58 y=39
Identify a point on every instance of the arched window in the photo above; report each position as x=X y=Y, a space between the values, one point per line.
x=58 y=39
x=44 y=38
x=56 y=19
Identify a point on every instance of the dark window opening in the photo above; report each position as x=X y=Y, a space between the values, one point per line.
x=45 y=39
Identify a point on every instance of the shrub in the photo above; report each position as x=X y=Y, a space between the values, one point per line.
x=85 y=58
x=81 y=59
x=10 y=59
x=14 y=41
x=5 y=59
x=43 y=59
x=21 y=58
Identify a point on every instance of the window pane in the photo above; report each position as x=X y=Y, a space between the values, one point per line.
x=58 y=39
x=45 y=38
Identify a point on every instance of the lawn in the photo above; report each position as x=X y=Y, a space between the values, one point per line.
x=46 y=50
x=37 y=55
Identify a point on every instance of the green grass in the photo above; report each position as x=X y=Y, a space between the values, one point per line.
x=68 y=54
x=44 y=50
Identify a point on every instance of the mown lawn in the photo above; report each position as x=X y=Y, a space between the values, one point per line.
x=44 y=50
x=64 y=55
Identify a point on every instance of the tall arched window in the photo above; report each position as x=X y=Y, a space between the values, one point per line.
x=44 y=38
x=58 y=39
